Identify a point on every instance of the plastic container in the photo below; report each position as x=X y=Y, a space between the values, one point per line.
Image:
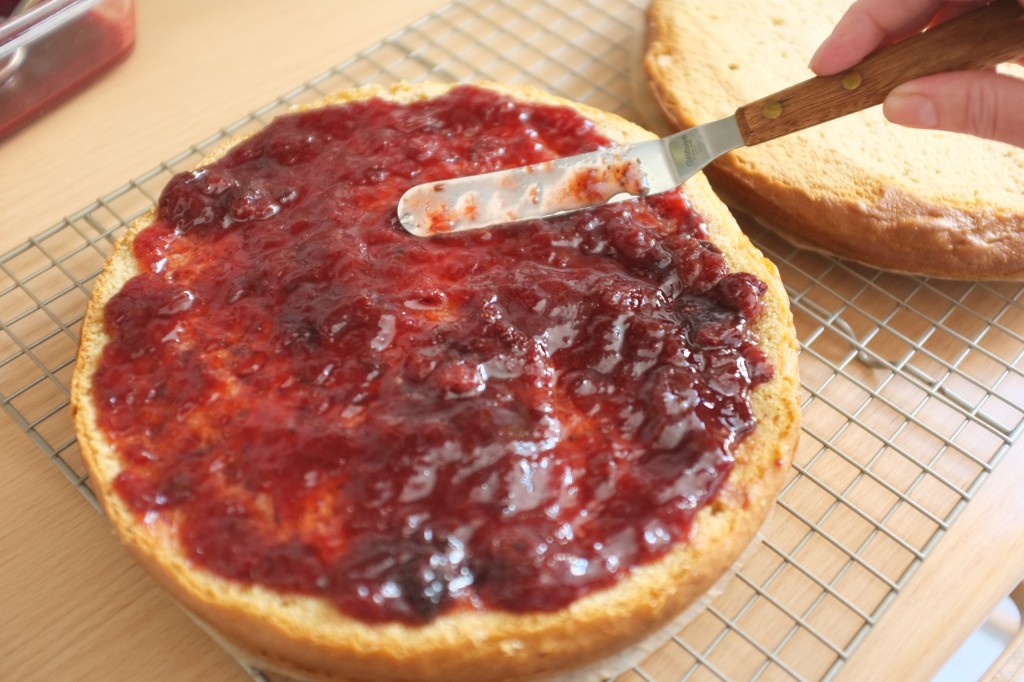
x=56 y=48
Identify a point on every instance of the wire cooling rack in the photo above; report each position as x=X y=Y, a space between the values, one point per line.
x=907 y=382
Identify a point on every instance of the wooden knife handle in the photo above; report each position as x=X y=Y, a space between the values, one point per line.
x=981 y=38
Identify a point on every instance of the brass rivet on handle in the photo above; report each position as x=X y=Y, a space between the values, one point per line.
x=851 y=80
x=772 y=110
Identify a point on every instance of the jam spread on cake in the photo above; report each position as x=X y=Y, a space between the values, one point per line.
x=511 y=418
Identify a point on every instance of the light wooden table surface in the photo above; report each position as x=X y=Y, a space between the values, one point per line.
x=73 y=605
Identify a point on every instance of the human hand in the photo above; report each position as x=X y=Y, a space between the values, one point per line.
x=982 y=103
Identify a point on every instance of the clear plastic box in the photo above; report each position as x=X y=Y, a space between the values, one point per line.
x=55 y=48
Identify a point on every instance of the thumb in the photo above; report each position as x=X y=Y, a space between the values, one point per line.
x=981 y=103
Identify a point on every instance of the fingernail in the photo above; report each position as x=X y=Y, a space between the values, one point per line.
x=911 y=109
x=815 y=57
x=814 y=64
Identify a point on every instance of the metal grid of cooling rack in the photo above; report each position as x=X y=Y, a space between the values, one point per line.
x=908 y=383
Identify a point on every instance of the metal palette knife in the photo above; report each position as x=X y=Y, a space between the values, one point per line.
x=979 y=39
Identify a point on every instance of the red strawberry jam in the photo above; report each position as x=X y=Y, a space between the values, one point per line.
x=322 y=403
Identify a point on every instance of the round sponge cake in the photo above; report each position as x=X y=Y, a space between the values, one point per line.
x=157 y=296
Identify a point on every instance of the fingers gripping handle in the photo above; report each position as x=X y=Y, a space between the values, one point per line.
x=982 y=38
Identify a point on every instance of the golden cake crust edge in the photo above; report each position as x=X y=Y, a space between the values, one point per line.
x=308 y=637
x=862 y=219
